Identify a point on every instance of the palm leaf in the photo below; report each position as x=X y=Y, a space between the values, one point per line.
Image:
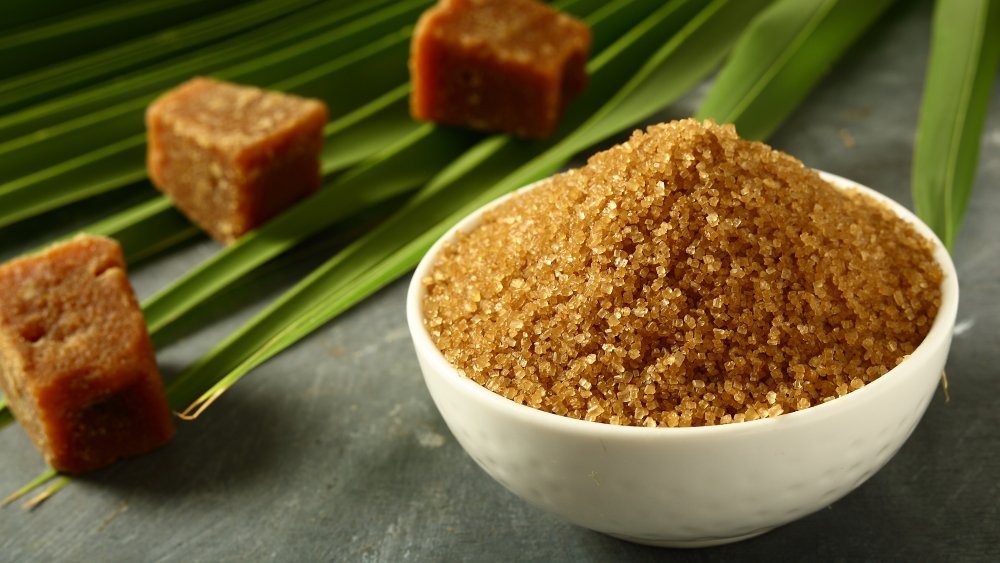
x=264 y=40
x=118 y=164
x=367 y=130
x=41 y=45
x=145 y=51
x=73 y=180
x=146 y=229
x=962 y=69
x=22 y=14
x=781 y=57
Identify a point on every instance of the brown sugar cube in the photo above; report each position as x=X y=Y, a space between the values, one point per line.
x=497 y=65
x=231 y=156
x=76 y=363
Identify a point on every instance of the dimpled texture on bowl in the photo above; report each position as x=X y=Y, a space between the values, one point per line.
x=689 y=487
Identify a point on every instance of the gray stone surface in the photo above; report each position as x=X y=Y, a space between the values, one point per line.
x=334 y=451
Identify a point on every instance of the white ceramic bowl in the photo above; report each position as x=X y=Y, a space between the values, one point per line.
x=688 y=487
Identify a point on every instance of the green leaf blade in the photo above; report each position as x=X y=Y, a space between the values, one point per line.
x=42 y=45
x=688 y=57
x=961 y=72
x=110 y=167
x=267 y=39
x=146 y=229
x=784 y=53
x=144 y=51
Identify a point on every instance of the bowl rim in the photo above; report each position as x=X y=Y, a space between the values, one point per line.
x=939 y=334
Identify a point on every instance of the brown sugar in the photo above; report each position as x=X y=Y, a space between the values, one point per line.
x=683 y=278
x=497 y=65
x=231 y=156
x=76 y=363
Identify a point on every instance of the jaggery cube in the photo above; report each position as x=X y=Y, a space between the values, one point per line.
x=76 y=364
x=231 y=156
x=685 y=277
x=498 y=65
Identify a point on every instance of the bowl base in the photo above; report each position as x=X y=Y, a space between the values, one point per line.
x=692 y=543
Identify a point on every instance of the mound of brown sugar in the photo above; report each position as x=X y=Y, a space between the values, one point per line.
x=685 y=277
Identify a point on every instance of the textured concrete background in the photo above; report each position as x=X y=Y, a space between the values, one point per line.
x=334 y=451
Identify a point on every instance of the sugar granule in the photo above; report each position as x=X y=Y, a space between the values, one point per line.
x=685 y=277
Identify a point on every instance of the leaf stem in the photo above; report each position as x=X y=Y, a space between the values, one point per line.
x=31 y=486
